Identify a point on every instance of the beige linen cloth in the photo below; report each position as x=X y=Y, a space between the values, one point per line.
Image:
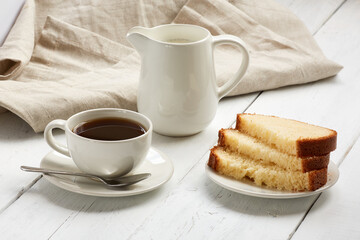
x=62 y=57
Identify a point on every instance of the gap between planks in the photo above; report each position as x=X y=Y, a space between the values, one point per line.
x=22 y=191
x=330 y=16
x=77 y=213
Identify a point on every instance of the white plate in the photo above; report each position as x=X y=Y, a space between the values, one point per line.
x=247 y=187
x=156 y=163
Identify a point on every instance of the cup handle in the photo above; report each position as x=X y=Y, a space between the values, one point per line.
x=232 y=40
x=49 y=137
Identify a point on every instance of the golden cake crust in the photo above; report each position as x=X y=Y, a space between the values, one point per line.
x=314 y=163
x=316 y=178
x=316 y=147
x=307 y=146
x=213 y=159
x=307 y=163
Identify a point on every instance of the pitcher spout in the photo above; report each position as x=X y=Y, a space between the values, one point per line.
x=138 y=38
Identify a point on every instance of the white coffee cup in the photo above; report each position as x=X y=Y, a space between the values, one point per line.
x=101 y=157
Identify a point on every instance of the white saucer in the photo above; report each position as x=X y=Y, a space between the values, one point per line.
x=156 y=163
x=247 y=187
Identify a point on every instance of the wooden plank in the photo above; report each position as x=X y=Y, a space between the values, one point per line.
x=9 y=11
x=313 y=13
x=34 y=219
x=19 y=145
x=336 y=214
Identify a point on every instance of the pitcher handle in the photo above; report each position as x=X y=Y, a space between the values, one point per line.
x=234 y=81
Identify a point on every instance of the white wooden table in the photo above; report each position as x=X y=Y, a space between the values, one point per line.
x=190 y=206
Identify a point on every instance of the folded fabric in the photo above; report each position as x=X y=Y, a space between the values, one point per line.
x=81 y=59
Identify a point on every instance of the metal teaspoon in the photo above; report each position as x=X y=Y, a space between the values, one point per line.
x=114 y=182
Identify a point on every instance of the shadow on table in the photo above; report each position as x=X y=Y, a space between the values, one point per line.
x=257 y=206
x=13 y=128
x=90 y=204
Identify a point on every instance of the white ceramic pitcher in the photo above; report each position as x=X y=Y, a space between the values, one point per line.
x=178 y=89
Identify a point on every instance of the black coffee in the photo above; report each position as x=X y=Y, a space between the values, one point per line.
x=109 y=129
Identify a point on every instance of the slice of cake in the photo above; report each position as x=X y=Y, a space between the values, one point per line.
x=288 y=136
x=271 y=175
x=279 y=153
x=240 y=143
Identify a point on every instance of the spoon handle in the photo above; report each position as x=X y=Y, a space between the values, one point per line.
x=48 y=171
